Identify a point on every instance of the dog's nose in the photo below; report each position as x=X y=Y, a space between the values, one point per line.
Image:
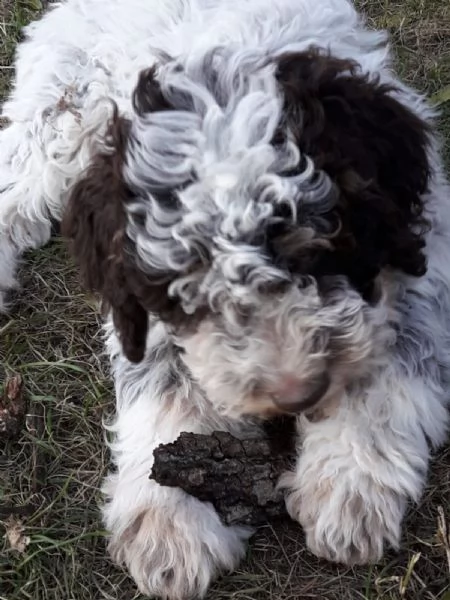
x=295 y=404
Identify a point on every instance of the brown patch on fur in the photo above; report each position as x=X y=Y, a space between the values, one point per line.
x=95 y=223
x=375 y=151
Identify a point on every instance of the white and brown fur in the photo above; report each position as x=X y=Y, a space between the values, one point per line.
x=261 y=204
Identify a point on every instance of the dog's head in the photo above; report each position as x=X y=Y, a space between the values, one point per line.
x=254 y=206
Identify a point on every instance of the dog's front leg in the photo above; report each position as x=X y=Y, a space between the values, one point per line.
x=172 y=544
x=358 y=466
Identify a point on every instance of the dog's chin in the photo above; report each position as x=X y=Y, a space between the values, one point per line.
x=269 y=406
x=320 y=400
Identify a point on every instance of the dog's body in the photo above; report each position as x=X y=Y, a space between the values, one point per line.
x=283 y=216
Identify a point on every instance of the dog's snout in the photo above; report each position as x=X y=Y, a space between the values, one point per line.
x=301 y=402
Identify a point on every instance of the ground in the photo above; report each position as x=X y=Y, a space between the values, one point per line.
x=54 y=547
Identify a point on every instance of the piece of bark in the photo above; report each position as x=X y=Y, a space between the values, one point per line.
x=238 y=477
x=13 y=407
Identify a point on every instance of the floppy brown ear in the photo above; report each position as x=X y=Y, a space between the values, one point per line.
x=374 y=149
x=94 y=223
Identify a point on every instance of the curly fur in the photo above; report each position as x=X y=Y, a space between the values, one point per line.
x=375 y=150
x=261 y=205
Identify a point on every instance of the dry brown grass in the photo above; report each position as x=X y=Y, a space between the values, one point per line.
x=53 y=471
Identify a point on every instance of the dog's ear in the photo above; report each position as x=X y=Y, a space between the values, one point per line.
x=94 y=222
x=374 y=149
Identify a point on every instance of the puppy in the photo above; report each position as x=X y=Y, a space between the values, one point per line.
x=262 y=207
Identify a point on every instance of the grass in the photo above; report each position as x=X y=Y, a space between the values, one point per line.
x=50 y=476
x=420 y=33
x=14 y=15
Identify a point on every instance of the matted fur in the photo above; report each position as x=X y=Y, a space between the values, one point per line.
x=262 y=207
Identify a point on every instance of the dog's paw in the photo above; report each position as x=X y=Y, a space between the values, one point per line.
x=175 y=551
x=347 y=518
